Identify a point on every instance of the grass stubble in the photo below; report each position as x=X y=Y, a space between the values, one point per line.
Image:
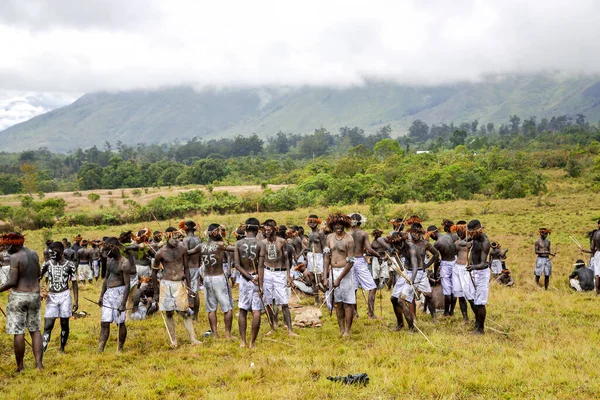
x=550 y=349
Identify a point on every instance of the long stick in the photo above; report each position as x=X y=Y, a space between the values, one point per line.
x=262 y=302
x=162 y=314
x=426 y=338
x=26 y=341
x=110 y=308
x=575 y=241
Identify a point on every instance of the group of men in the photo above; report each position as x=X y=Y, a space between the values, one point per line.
x=166 y=272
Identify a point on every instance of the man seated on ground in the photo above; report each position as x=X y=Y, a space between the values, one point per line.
x=505 y=278
x=582 y=278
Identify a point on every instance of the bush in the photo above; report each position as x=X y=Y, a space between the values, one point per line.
x=93 y=197
x=77 y=194
x=136 y=192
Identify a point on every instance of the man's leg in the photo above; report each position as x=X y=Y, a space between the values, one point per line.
x=407 y=314
x=189 y=327
x=597 y=281
x=104 y=334
x=271 y=317
x=38 y=350
x=429 y=303
x=398 y=312
x=546 y=281
x=537 y=280
x=64 y=333
x=287 y=318
x=371 y=302
x=19 y=345
x=48 y=326
x=255 y=327
x=171 y=327
x=341 y=318
x=349 y=318
x=462 y=303
x=212 y=320
x=196 y=306
x=242 y=323
x=228 y=319
x=481 y=310
x=122 y=335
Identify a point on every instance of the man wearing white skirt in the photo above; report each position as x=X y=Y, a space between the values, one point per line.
x=59 y=305
x=480 y=270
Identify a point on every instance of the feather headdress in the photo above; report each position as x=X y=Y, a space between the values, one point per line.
x=338 y=218
x=12 y=239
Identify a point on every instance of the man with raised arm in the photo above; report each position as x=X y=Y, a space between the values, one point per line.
x=249 y=259
x=24 y=304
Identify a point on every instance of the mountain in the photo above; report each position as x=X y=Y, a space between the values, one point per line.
x=181 y=113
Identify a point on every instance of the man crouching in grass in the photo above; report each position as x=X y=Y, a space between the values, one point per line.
x=24 y=303
x=114 y=294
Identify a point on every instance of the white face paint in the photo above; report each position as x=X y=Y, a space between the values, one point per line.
x=172 y=242
x=53 y=254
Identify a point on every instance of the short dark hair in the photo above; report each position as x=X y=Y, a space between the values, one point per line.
x=252 y=224
x=270 y=223
x=57 y=246
x=170 y=229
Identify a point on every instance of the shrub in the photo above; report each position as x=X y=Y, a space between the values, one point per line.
x=93 y=197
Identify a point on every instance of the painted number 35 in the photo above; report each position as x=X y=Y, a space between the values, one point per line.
x=248 y=251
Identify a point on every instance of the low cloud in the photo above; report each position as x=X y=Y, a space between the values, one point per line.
x=122 y=45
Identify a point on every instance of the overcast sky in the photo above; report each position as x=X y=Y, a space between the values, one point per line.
x=91 y=45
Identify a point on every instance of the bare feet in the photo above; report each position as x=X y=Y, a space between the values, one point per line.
x=293 y=334
x=398 y=328
x=196 y=342
x=270 y=332
x=243 y=345
x=174 y=344
x=346 y=334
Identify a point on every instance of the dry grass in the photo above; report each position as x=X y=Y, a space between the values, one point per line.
x=77 y=202
x=550 y=350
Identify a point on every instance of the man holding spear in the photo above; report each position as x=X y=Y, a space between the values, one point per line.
x=595 y=254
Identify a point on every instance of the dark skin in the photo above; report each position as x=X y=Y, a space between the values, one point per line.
x=83 y=256
x=594 y=247
x=191 y=241
x=296 y=242
x=462 y=252
x=401 y=307
x=362 y=244
x=249 y=256
x=445 y=246
x=281 y=260
x=542 y=249
x=380 y=245
x=424 y=246
x=173 y=258
x=24 y=276
x=212 y=254
x=118 y=274
x=342 y=246
x=57 y=256
x=316 y=243
x=95 y=254
x=479 y=256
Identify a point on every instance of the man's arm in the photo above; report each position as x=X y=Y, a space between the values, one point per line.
x=103 y=288
x=195 y=250
x=75 y=295
x=77 y=257
x=261 y=248
x=13 y=274
x=157 y=261
x=326 y=264
x=368 y=249
x=381 y=240
x=286 y=260
x=127 y=280
x=186 y=268
x=435 y=255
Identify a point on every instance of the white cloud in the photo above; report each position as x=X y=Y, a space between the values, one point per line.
x=121 y=45
x=16 y=107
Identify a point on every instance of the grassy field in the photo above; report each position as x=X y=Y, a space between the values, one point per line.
x=550 y=349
